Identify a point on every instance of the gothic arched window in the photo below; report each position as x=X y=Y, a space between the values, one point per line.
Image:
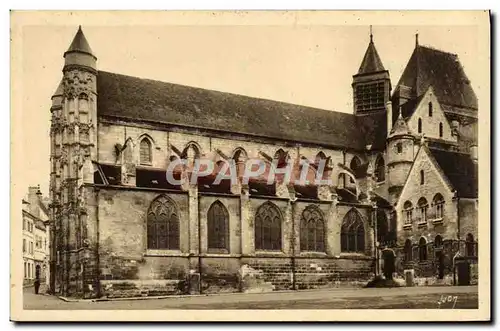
x=268 y=227
x=422 y=249
x=422 y=209
x=422 y=177
x=438 y=203
x=145 y=156
x=163 y=224
x=380 y=169
x=419 y=125
x=408 y=212
x=430 y=109
x=312 y=230
x=469 y=245
x=408 y=250
x=218 y=226
x=352 y=235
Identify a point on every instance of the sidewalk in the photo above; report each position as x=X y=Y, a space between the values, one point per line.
x=303 y=294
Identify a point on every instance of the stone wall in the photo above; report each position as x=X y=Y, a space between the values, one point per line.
x=124 y=266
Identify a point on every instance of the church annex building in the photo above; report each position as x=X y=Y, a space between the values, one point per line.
x=403 y=198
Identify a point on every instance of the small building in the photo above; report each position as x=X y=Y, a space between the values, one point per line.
x=36 y=245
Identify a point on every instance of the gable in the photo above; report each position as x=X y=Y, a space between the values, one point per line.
x=431 y=121
x=434 y=180
x=441 y=70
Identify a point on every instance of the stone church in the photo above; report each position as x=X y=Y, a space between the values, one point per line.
x=403 y=196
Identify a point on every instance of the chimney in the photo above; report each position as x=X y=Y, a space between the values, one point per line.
x=34 y=195
x=388 y=106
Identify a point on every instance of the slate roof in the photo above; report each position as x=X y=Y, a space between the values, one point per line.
x=134 y=98
x=441 y=70
x=460 y=170
x=80 y=43
x=371 y=61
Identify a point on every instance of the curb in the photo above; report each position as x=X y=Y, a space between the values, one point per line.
x=66 y=299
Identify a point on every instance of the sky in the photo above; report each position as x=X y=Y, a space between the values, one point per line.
x=310 y=65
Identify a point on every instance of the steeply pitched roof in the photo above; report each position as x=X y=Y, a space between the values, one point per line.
x=460 y=170
x=371 y=61
x=59 y=90
x=80 y=43
x=399 y=128
x=441 y=70
x=143 y=99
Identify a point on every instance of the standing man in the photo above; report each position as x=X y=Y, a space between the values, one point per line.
x=37 y=279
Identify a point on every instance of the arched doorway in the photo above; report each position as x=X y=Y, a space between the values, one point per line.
x=389 y=259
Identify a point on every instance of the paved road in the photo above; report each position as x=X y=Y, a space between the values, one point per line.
x=404 y=298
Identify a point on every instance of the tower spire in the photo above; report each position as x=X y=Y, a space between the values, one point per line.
x=416 y=39
x=79 y=53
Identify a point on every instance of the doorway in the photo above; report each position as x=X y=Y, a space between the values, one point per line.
x=389 y=263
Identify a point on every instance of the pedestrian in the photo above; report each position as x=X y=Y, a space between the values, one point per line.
x=37 y=285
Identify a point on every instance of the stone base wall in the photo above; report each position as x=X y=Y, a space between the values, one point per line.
x=160 y=275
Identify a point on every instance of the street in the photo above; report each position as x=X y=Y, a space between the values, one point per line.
x=445 y=297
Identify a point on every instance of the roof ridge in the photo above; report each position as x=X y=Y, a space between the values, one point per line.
x=437 y=50
x=230 y=93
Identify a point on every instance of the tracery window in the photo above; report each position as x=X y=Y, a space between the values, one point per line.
x=163 y=224
x=312 y=230
x=268 y=227
x=352 y=235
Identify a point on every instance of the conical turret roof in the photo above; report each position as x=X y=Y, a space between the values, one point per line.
x=400 y=127
x=80 y=43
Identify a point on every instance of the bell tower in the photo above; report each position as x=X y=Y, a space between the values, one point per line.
x=371 y=85
x=73 y=147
